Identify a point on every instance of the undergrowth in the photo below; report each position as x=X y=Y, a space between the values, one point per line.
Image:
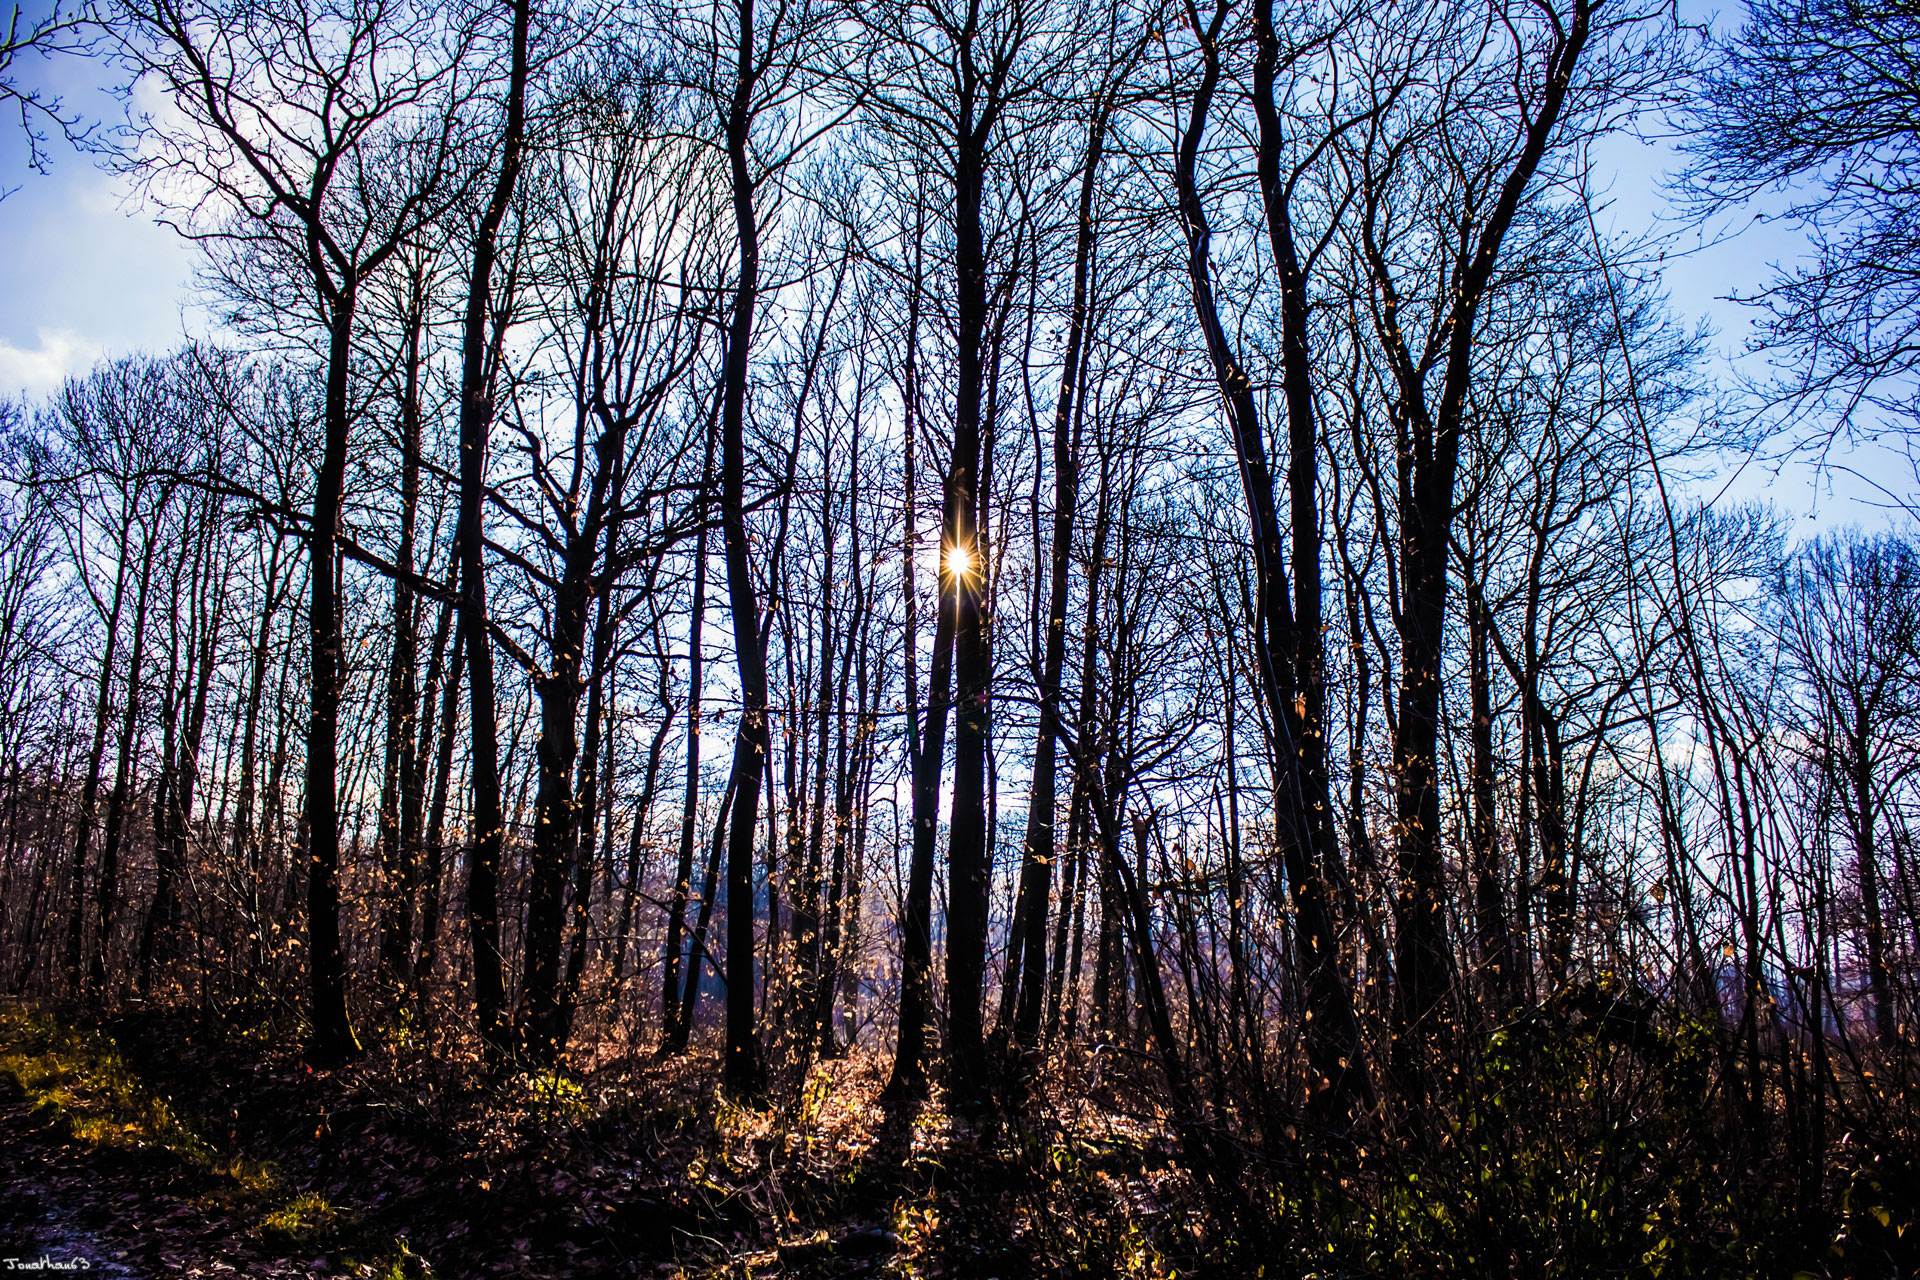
x=1574 y=1141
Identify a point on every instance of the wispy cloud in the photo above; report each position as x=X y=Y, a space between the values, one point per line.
x=36 y=372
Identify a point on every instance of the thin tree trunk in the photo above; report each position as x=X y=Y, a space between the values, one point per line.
x=1026 y=966
x=690 y=804
x=399 y=853
x=682 y=1021
x=156 y=938
x=926 y=750
x=1291 y=675
x=596 y=775
x=435 y=838
x=1428 y=469
x=90 y=786
x=107 y=892
x=1490 y=910
x=637 y=836
x=1866 y=854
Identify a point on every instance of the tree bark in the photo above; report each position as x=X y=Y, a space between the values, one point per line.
x=96 y=757
x=926 y=750
x=1490 y=912
x=965 y=571
x=1428 y=469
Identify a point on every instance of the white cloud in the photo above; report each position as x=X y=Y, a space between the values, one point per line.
x=39 y=371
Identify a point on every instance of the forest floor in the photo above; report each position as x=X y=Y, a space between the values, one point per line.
x=146 y=1148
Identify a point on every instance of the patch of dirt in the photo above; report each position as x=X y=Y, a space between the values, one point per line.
x=106 y=1212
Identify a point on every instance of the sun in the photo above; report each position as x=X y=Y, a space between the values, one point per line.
x=959 y=561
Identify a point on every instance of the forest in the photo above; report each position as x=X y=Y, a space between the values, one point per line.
x=967 y=638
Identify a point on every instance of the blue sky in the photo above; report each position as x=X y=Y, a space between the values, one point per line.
x=86 y=272
x=1706 y=266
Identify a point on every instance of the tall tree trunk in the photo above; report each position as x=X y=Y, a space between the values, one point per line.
x=808 y=922
x=1866 y=866
x=1291 y=662
x=434 y=838
x=1428 y=468
x=682 y=1020
x=850 y=749
x=1092 y=746
x=1320 y=895
x=926 y=751
x=333 y=1037
x=1490 y=911
x=156 y=938
x=742 y=1073
x=596 y=775
x=637 y=842
x=172 y=702
x=1556 y=872
x=967 y=572
x=476 y=418
x=120 y=798
x=556 y=822
x=246 y=832
x=1072 y=908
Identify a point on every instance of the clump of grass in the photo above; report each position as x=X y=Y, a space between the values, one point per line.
x=306 y=1222
x=311 y=1224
